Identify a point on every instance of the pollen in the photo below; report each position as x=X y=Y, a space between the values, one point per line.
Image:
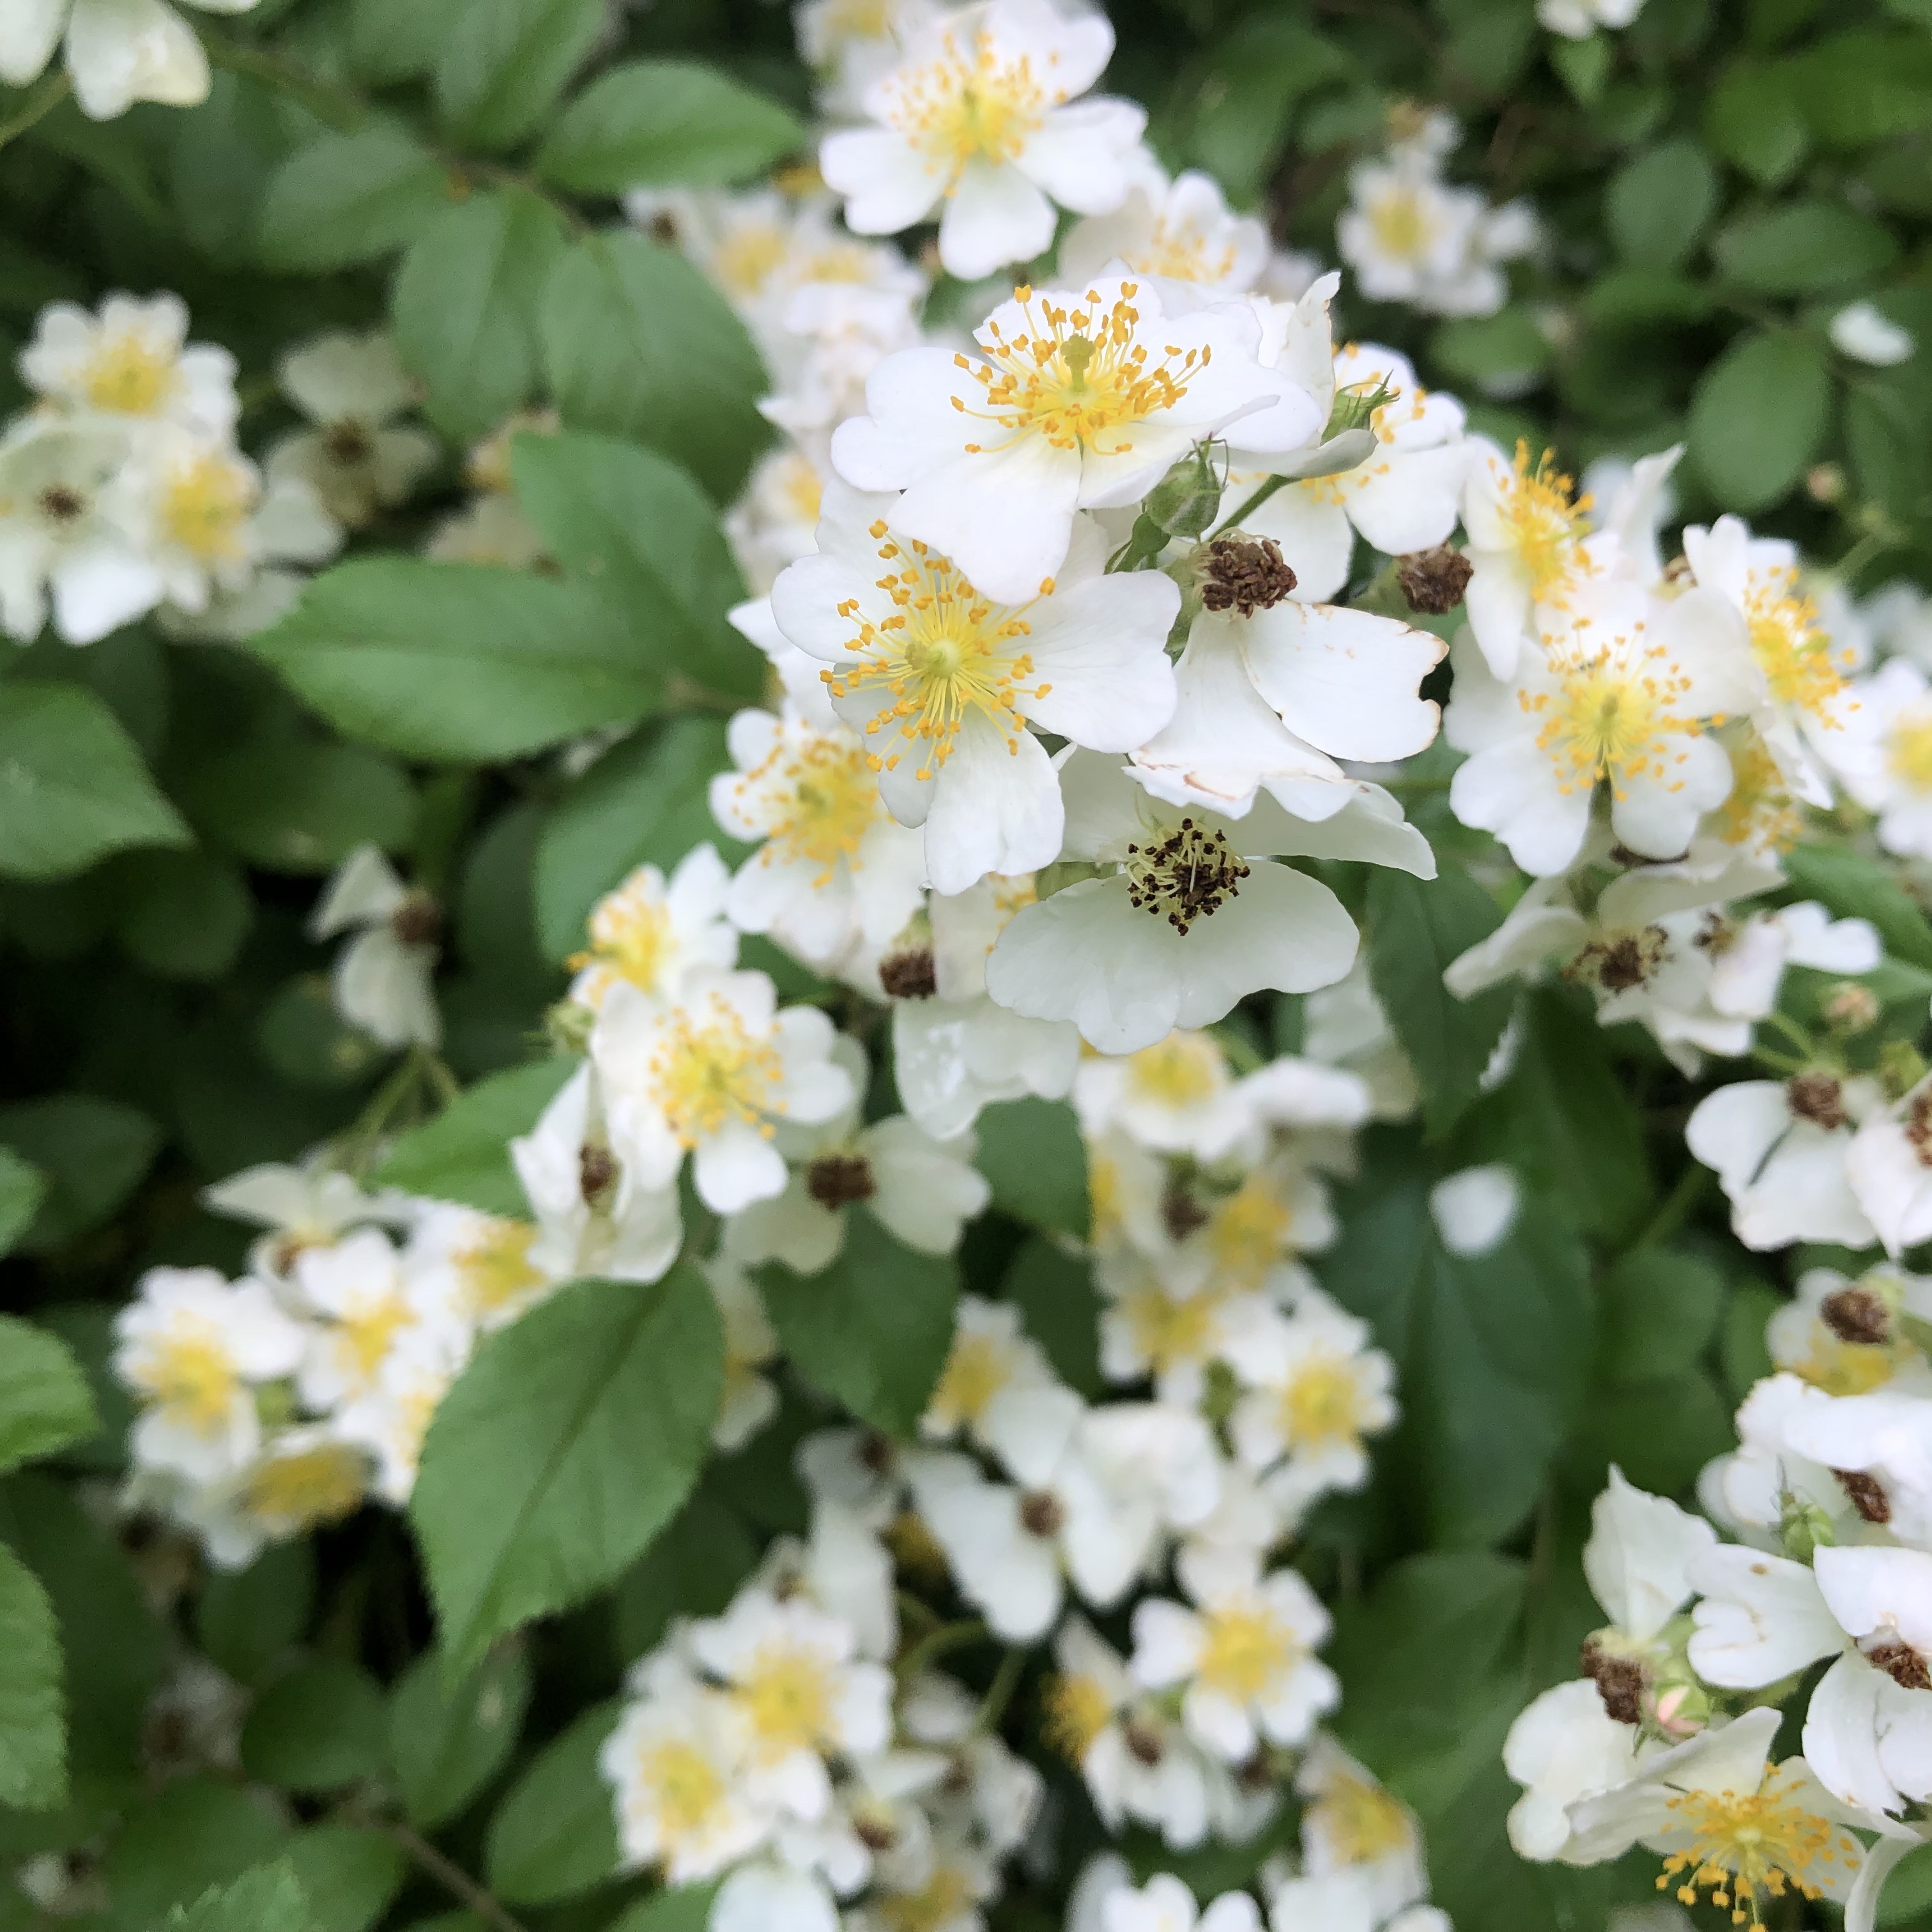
x=1182 y=1070
x=1186 y=877
x=1399 y=223
x=786 y=1698
x=1246 y=1648
x=1321 y=1403
x=1744 y=1850
x=971 y=103
x=191 y=1374
x=1760 y=810
x=749 y=257
x=496 y=1268
x=1169 y=1330
x=1611 y=717
x=1795 y=656
x=318 y=1485
x=681 y=1787
x=1077 y=376
x=1250 y=1231
x=1182 y=254
x=1908 y=750
x=205 y=506
x=816 y=798
x=710 y=1072
x=368 y=1331
x=1359 y=1821
x=942 y=1902
x=944 y=655
x=127 y=377
x=1075 y=1710
x=1545 y=521
x=631 y=938
x=975 y=1371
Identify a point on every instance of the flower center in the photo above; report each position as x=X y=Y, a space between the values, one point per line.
x=1181 y=1071
x=1610 y=718
x=204 y=505
x=367 y=1332
x=61 y=503
x=786 y=1697
x=631 y=938
x=941 y=1902
x=1077 y=375
x=1908 y=750
x=1544 y=521
x=745 y=259
x=496 y=1268
x=709 y=1072
x=1246 y=1650
x=1745 y=1850
x=838 y=1180
x=1077 y=1710
x=1188 y=875
x=322 y=1484
x=1794 y=654
x=686 y=1790
x=1759 y=809
x=819 y=799
x=1400 y=227
x=1321 y=1403
x=1183 y=255
x=192 y=1374
x=944 y=654
x=1167 y=1330
x=1250 y=1231
x=975 y=1371
x=1359 y=1821
x=968 y=103
x=127 y=378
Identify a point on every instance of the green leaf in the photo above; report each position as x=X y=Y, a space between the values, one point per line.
x=464 y=309
x=630 y=524
x=268 y=1898
x=316 y=1729
x=1412 y=930
x=1054 y=1290
x=566 y=1445
x=1583 y=66
x=1259 y=72
x=44 y=1401
x=1657 y=205
x=93 y=1154
x=1864 y=87
x=349 y=198
x=182 y=915
x=1491 y=1351
x=1802 y=247
x=189 y=1835
x=33 y=1721
x=504 y=63
x=22 y=1188
x=1743 y=1351
x=647 y=802
x=1908 y=1891
x=349 y=1874
x=1660 y=1310
x=665 y=120
x=301 y=805
x=684 y=1908
x=248 y=1620
x=463 y=1153
x=638 y=343
x=693 y=1569
x=462 y=662
x=448 y=1744
x=873 y=1329
x=1032 y=1154
x=556 y=1834
x=1755 y=119
x=1759 y=417
x=1507 y=350
x=387 y=44
x=72 y=788
x=1853 y=885
x=1660 y=1432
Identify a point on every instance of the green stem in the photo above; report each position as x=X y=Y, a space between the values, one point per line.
x=54 y=88
x=1793 y=1032
x=936 y=1644
x=334 y=106
x=1000 y=1693
x=1254 y=503
x=1676 y=1208
x=454 y=1880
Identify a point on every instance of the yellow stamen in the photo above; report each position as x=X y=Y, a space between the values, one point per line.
x=786 y=1697
x=1744 y=1849
x=126 y=377
x=709 y=1072
x=1075 y=1710
x=191 y=1373
x=204 y=507
x=1247 y=1648
x=318 y=1485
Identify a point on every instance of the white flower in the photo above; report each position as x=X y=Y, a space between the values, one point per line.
x=384 y=977
x=356 y=458
x=1245 y=1653
x=1639 y=1557
x=1080 y=400
x=305 y=1478
x=1878 y=1448
x=1866 y=333
x=478 y=1266
x=303 y=1207
x=119 y=52
x=1578 y=19
x=776 y=519
x=65 y=540
x=975 y=115
x=1750 y=1488
x=391 y=1417
x=192 y=1347
x=991 y=1355
x=1759 y=1617
x=1165 y=1904
x=851 y=42
x=369 y=1302
x=1617 y=699
x=748 y=1400
x=1880 y=747
x=709 y=1076
x=1868 y=1732
x=1779 y=1148
x=1345 y=1028
x=1177 y=231
x=1844 y=1336
x=1889 y=1165
x=1350 y=1824
x=963 y=1878
x=1474 y=1210
x=1173 y=1330
x=799 y=1692
x=1185 y=918
x=834 y=868
x=1177 y=1096
x=1563 y=1747
x=132 y=363
x=653 y=934
x=761 y=1898
x=941 y=683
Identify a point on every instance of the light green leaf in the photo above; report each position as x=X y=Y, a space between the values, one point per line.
x=387 y=44
x=72 y=788
x=349 y=198
x=566 y=1445
x=22 y=1188
x=556 y=1835
x=1507 y=350
x=1759 y=416
x=348 y=1873
x=268 y=1898
x=1802 y=247
x=669 y=121
x=299 y=806
x=504 y=62
x=684 y=1908
x=463 y=1153
x=1858 y=88
x=645 y=803
x=464 y=309
x=44 y=1402
x=182 y=915
x=193 y=1833
x=93 y=1154
x=638 y=343
x=33 y=1722
x=1657 y=205
x=448 y=1744
x=1032 y=1155
x=628 y=523
x=318 y=1728
x=462 y=662
x=873 y=1329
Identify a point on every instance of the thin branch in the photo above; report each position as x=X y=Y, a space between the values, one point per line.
x=54 y=88
x=454 y=1878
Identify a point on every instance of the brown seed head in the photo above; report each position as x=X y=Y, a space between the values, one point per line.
x=1244 y=575
x=1867 y=1493
x=836 y=1180
x=1433 y=580
x=909 y=975
x=1818 y=1098
x=1857 y=1314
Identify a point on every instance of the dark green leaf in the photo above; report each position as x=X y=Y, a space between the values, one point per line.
x=317 y=1728
x=182 y=915
x=504 y=62
x=692 y=1570
x=873 y=1329
x=387 y=44
x=44 y=1403
x=1657 y=205
x=649 y=121
x=1660 y=1311
x=189 y=1835
x=1745 y=1355
x=1759 y=416
x=72 y=788
x=463 y=1153
x=1755 y=119
x=247 y=1620
x=1660 y=1432
x=22 y=1188
x=448 y=1744
x=556 y=1835
x=685 y=1908
x=1864 y=87
x=301 y=806
x=33 y=1723
x=1031 y=1153
x=348 y=1873
x=348 y=198
x=93 y=1154
x=1054 y=1290
x=1802 y=247
x=566 y=1445
x=463 y=662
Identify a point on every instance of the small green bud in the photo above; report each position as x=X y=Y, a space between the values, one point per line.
x=1354 y=408
x=275 y=1404
x=1061 y=874
x=1186 y=501
x=1802 y=1528
x=1901 y=1066
x=567 y=1027
x=1219 y=1398
x=1850 y=1008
